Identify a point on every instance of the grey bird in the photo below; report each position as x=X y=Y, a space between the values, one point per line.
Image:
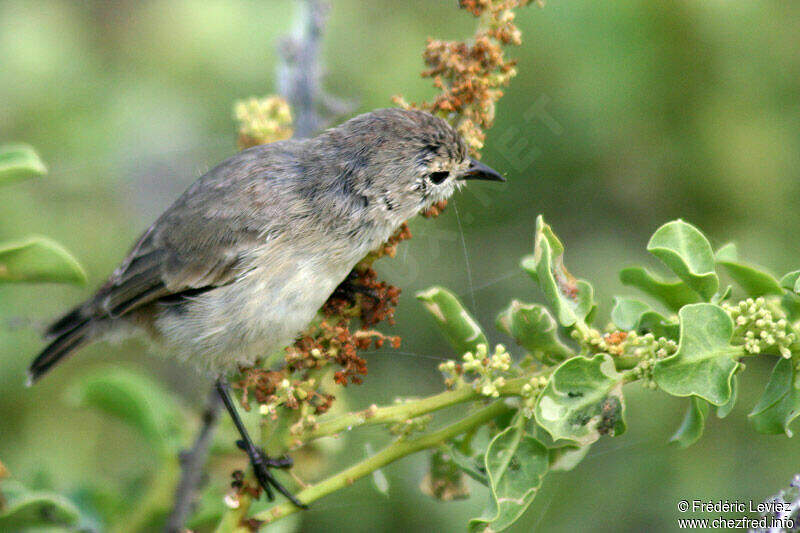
x=242 y=261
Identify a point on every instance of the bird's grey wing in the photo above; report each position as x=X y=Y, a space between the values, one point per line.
x=201 y=242
x=159 y=268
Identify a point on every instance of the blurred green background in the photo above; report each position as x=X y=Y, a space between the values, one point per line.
x=624 y=115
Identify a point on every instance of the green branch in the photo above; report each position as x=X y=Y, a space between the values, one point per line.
x=391 y=453
x=398 y=413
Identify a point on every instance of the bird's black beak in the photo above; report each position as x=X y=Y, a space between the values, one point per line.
x=479 y=171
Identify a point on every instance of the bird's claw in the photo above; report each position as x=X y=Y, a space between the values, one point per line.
x=261 y=464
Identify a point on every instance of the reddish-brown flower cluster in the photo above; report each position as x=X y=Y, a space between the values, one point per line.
x=435 y=210
x=469 y=74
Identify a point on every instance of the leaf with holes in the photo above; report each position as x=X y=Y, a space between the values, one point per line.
x=456 y=324
x=583 y=400
x=572 y=299
x=687 y=252
x=705 y=361
x=516 y=464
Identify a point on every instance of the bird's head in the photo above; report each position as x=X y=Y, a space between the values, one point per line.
x=400 y=162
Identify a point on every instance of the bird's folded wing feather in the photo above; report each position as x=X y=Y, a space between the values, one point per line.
x=200 y=243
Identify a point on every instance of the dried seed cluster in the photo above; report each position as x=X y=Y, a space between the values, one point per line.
x=469 y=74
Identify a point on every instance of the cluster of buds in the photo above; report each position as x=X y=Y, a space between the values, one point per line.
x=761 y=328
x=631 y=350
x=469 y=74
x=410 y=425
x=648 y=350
x=612 y=343
x=263 y=120
x=530 y=394
x=490 y=370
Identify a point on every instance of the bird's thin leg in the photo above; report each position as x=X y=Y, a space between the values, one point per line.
x=261 y=461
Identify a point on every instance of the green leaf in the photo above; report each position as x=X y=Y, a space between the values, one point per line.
x=780 y=403
x=693 y=423
x=725 y=409
x=658 y=325
x=687 y=252
x=630 y=314
x=753 y=281
x=38 y=259
x=674 y=294
x=705 y=361
x=627 y=312
x=572 y=299
x=135 y=400
x=583 y=400
x=19 y=162
x=535 y=329
x=516 y=464
x=25 y=510
x=459 y=328
x=791 y=281
x=565 y=458
x=790 y=302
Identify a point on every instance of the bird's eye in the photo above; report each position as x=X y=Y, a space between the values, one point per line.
x=439 y=177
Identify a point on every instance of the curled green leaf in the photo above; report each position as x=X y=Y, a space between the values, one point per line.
x=516 y=464
x=791 y=282
x=674 y=294
x=627 y=312
x=726 y=408
x=780 y=403
x=39 y=259
x=753 y=281
x=459 y=328
x=693 y=423
x=687 y=252
x=535 y=329
x=583 y=400
x=572 y=299
x=19 y=162
x=706 y=360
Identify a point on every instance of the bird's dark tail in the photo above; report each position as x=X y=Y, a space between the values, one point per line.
x=68 y=333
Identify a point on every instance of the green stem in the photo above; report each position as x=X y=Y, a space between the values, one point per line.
x=398 y=413
x=391 y=453
x=231 y=521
